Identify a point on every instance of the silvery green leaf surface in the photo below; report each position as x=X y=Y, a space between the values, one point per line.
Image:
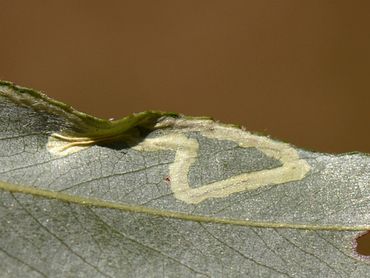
x=163 y=195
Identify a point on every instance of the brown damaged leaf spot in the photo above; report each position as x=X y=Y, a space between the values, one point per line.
x=362 y=244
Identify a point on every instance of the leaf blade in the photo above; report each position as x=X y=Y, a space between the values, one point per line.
x=119 y=190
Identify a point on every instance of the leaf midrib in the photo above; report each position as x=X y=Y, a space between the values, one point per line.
x=133 y=208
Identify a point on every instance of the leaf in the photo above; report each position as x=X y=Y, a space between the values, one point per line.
x=163 y=195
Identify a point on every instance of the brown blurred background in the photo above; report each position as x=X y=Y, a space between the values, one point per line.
x=297 y=70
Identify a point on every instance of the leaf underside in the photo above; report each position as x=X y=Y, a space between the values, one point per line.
x=163 y=195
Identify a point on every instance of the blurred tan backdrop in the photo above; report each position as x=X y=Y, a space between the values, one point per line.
x=297 y=70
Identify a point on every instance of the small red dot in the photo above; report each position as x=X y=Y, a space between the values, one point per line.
x=167 y=179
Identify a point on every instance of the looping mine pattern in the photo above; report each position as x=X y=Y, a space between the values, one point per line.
x=293 y=168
